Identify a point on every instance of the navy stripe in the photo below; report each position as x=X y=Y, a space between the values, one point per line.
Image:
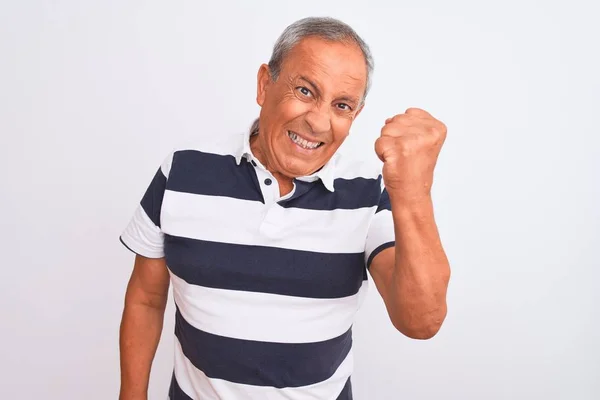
x=264 y=269
x=384 y=202
x=257 y=363
x=175 y=392
x=153 y=198
x=210 y=174
x=349 y=194
x=378 y=250
x=346 y=393
x=213 y=175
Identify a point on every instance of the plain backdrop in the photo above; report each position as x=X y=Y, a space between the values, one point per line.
x=93 y=95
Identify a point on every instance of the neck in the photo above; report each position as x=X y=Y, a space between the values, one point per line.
x=286 y=184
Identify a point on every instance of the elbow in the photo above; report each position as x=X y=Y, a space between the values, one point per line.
x=423 y=328
x=421 y=333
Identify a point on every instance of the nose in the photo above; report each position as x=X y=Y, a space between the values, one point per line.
x=319 y=119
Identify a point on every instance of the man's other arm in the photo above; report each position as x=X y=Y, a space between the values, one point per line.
x=142 y=324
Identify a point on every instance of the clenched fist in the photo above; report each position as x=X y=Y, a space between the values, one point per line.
x=409 y=147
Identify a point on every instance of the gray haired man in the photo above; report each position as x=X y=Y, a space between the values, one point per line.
x=268 y=238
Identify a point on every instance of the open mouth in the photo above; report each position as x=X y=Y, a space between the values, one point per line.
x=305 y=144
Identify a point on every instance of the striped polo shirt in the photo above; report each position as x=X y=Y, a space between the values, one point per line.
x=266 y=287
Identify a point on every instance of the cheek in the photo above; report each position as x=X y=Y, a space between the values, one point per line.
x=292 y=108
x=341 y=128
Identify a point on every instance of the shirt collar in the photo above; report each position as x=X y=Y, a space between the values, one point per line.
x=325 y=174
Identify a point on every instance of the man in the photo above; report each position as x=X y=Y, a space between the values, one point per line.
x=266 y=238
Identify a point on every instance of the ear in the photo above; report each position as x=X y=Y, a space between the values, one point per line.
x=262 y=82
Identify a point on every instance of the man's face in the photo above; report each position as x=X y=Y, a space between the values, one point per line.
x=307 y=112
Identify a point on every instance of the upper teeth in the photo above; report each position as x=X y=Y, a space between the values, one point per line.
x=303 y=143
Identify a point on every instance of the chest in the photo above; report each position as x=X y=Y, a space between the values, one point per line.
x=244 y=236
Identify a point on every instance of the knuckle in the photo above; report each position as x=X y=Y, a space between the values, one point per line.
x=382 y=141
x=416 y=111
x=401 y=117
x=438 y=132
x=389 y=130
x=443 y=130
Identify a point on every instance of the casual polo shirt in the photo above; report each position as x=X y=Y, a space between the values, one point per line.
x=266 y=287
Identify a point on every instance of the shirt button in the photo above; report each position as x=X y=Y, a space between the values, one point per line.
x=268 y=181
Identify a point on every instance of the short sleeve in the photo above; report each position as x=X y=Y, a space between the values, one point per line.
x=143 y=234
x=380 y=235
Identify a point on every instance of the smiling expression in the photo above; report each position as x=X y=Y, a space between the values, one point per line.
x=307 y=112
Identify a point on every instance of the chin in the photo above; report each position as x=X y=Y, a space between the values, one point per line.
x=301 y=168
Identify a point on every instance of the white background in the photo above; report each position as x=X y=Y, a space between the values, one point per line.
x=94 y=94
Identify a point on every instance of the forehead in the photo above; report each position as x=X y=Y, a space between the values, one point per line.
x=335 y=65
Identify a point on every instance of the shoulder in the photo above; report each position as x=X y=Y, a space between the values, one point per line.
x=359 y=176
x=223 y=145
x=198 y=152
x=348 y=167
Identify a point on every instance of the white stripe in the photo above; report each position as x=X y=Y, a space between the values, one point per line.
x=263 y=316
x=198 y=386
x=165 y=167
x=348 y=167
x=223 y=145
x=229 y=220
x=142 y=236
x=381 y=231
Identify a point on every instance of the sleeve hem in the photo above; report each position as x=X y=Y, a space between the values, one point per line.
x=378 y=250
x=140 y=252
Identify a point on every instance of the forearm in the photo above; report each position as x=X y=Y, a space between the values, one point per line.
x=140 y=332
x=419 y=279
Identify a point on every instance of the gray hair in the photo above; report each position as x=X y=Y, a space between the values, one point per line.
x=326 y=28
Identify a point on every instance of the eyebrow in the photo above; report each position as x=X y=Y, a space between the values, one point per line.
x=314 y=85
x=349 y=99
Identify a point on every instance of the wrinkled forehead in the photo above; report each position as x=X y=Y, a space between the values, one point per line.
x=334 y=65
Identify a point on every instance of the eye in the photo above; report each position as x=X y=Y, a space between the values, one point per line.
x=344 y=106
x=304 y=90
